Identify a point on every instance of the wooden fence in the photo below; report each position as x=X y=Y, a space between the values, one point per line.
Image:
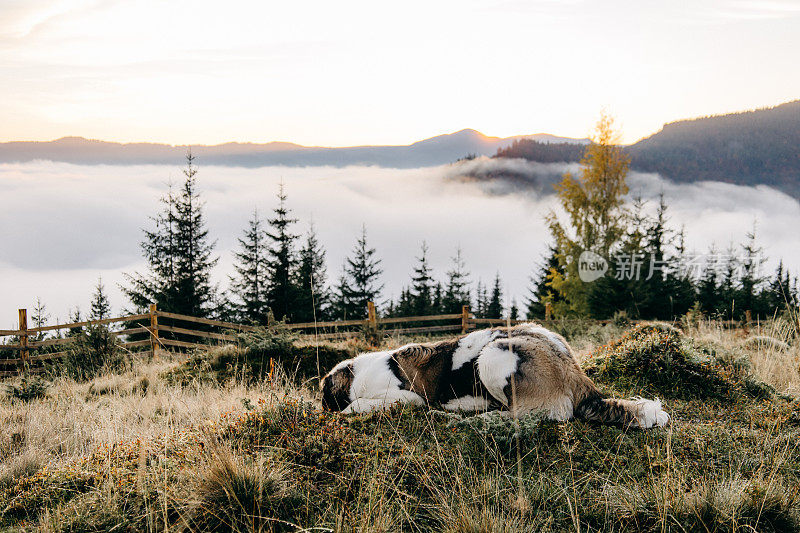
x=32 y=351
x=29 y=351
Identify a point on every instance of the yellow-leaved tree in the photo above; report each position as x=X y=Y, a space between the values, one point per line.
x=594 y=204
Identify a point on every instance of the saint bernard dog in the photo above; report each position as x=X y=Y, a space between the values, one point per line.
x=522 y=368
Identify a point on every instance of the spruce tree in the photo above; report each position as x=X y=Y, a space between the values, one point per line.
x=626 y=292
x=251 y=265
x=778 y=295
x=422 y=284
x=100 y=307
x=179 y=255
x=751 y=281
x=312 y=298
x=728 y=304
x=39 y=318
x=541 y=291
x=481 y=300
x=282 y=292
x=456 y=291
x=194 y=264
x=494 y=309
x=708 y=284
x=360 y=280
x=74 y=317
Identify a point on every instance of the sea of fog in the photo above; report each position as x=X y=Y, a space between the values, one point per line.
x=65 y=225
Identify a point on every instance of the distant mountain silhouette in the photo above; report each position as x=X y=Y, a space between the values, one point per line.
x=434 y=151
x=753 y=147
x=747 y=148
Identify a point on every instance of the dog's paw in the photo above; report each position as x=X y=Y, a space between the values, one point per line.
x=650 y=414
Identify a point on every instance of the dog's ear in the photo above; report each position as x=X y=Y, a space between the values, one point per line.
x=336 y=388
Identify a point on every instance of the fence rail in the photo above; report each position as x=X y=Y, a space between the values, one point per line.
x=163 y=330
x=175 y=330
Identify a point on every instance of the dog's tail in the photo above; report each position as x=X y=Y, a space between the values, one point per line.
x=636 y=412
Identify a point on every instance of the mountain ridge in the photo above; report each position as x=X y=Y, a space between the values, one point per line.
x=437 y=150
x=755 y=147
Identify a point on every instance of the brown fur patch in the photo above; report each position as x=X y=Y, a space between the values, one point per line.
x=336 y=388
x=422 y=366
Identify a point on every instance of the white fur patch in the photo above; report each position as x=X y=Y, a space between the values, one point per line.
x=372 y=376
x=495 y=365
x=470 y=346
x=467 y=403
x=649 y=413
x=375 y=386
x=339 y=366
x=561 y=410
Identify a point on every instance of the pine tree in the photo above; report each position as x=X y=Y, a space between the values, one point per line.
x=251 y=265
x=312 y=299
x=481 y=300
x=751 y=280
x=728 y=305
x=194 y=262
x=179 y=255
x=541 y=291
x=405 y=306
x=513 y=313
x=422 y=284
x=100 y=307
x=359 y=282
x=494 y=309
x=456 y=292
x=39 y=318
x=438 y=297
x=282 y=292
x=708 y=286
x=74 y=317
x=778 y=295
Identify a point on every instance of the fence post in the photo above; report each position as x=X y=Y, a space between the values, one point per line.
x=548 y=311
x=23 y=338
x=372 y=317
x=153 y=329
x=748 y=316
x=464 y=318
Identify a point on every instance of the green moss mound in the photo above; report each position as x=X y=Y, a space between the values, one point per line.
x=659 y=359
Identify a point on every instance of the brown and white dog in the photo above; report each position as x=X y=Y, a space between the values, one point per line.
x=522 y=368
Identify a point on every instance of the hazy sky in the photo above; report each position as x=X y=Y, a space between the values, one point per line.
x=366 y=72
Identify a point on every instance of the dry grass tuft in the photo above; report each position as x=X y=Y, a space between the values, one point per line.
x=234 y=492
x=775 y=361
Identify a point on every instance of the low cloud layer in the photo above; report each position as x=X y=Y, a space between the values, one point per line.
x=63 y=225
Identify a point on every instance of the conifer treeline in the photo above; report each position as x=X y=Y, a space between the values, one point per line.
x=280 y=272
x=650 y=274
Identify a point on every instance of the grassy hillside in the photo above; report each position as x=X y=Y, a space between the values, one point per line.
x=220 y=441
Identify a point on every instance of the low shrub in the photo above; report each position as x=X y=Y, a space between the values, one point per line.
x=657 y=358
x=256 y=355
x=95 y=350
x=30 y=387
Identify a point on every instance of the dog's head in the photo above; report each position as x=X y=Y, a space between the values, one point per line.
x=336 y=386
